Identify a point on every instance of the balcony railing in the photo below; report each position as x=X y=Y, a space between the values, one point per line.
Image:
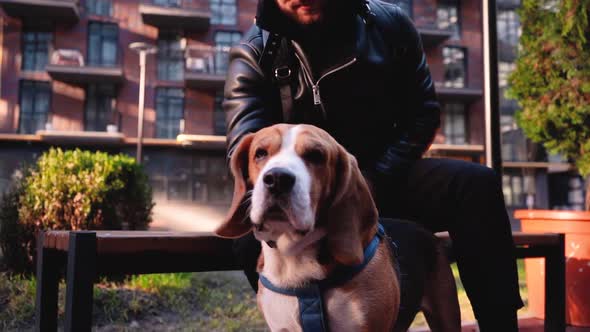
x=80 y=137
x=173 y=14
x=508 y=4
x=433 y=36
x=206 y=66
x=60 y=11
x=458 y=94
x=68 y=65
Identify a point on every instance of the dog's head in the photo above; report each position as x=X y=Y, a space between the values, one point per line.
x=294 y=181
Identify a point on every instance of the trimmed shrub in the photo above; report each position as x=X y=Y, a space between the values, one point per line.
x=75 y=190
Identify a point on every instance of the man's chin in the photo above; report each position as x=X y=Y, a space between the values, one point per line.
x=308 y=18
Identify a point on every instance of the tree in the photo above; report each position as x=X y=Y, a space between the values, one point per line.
x=552 y=78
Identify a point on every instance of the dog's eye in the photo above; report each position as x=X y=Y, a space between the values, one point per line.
x=260 y=154
x=314 y=156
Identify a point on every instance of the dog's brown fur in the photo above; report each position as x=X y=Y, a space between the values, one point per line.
x=345 y=209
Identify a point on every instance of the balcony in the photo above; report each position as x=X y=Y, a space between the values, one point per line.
x=508 y=4
x=62 y=11
x=172 y=15
x=202 y=142
x=205 y=66
x=467 y=152
x=456 y=94
x=68 y=66
x=80 y=137
x=432 y=36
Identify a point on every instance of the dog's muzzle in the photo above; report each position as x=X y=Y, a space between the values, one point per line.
x=279 y=181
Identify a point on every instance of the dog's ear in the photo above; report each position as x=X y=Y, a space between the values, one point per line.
x=351 y=214
x=237 y=222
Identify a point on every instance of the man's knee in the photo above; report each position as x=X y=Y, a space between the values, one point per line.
x=479 y=180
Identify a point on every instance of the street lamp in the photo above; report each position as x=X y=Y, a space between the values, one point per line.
x=143 y=49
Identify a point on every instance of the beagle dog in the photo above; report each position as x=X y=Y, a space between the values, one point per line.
x=304 y=197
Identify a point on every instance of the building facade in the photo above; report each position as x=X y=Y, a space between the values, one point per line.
x=69 y=79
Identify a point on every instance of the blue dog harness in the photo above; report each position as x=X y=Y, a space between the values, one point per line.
x=311 y=306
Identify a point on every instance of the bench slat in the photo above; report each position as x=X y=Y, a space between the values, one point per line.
x=140 y=241
x=521 y=239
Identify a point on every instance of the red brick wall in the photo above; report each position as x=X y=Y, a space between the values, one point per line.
x=68 y=100
x=472 y=40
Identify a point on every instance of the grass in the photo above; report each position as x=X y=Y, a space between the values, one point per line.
x=466 y=311
x=212 y=301
x=17 y=304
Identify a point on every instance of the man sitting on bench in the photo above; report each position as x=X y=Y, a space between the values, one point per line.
x=357 y=69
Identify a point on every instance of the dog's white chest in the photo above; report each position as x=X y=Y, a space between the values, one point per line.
x=281 y=312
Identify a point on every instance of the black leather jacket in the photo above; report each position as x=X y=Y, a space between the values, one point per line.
x=378 y=101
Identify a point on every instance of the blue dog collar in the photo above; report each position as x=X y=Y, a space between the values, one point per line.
x=311 y=306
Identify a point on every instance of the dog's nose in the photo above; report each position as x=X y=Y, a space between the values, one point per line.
x=279 y=180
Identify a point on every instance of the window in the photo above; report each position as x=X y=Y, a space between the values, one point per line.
x=169 y=112
x=224 y=12
x=35 y=46
x=182 y=176
x=447 y=17
x=168 y=3
x=99 y=7
x=515 y=146
x=516 y=187
x=103 y=40
x=454 y=61
x=35 y=98
x=566 y=191
x=508 y=34
x=507 y=106
x=576 y=195
x=223 y=41
x=100 y=106
x=170 y=56
x=219 y=126
x=455 y=123
x=508 y=4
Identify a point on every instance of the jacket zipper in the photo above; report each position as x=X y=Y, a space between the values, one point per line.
x=315 y=87
x=317 y=100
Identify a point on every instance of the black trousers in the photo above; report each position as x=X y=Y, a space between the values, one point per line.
x=466 y=200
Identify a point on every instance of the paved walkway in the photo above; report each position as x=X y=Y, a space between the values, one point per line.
x=525 y=324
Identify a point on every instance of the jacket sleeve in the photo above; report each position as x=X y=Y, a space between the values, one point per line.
x=423 y=110
x=247 y=95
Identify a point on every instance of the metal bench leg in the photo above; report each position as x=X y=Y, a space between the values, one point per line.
x=555 y=288
x=80 y=281
x=47 y=287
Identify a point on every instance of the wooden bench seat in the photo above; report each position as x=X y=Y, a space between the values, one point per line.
x=88 y=255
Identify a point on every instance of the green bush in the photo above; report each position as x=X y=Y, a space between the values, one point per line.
x=74 y=190
x=552 y=78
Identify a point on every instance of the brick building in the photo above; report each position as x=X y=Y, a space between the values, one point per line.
x=68 y=78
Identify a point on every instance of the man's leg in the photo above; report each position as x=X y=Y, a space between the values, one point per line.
x=465 y=199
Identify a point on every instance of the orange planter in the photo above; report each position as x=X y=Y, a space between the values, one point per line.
x=576 y=227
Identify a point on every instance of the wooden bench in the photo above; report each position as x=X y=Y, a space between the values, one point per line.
x=87 y=255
